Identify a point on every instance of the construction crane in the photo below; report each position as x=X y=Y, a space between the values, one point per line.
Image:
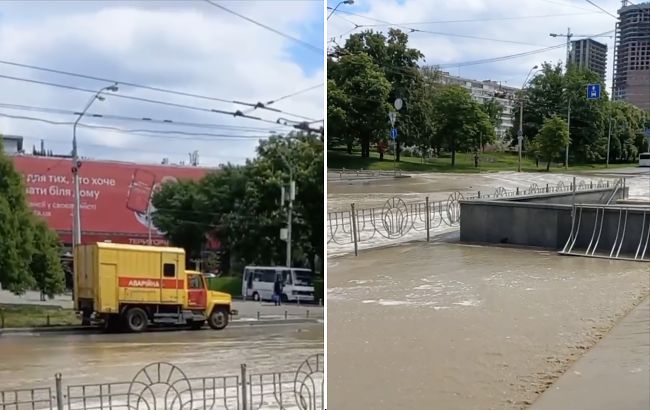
x=569 y=35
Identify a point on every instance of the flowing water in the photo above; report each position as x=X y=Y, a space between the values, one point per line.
x=452 y=326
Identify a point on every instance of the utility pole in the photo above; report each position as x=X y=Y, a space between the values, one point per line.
x=285 y=233
x=568 y=121
x=611 y=98
x=520 y=133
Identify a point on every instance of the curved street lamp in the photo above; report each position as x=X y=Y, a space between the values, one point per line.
x=520 y=134
x=76 y=222
x=350 y=2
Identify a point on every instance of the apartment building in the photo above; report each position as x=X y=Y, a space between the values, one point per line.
x=485 y=90
x=632 y=55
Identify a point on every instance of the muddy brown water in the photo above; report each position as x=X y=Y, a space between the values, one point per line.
x=438 y=186
x=451 y=326
x=32 y=361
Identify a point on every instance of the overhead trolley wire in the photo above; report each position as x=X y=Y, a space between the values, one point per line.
x=147 y=87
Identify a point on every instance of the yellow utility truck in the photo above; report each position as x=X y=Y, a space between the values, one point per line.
x=133 y=286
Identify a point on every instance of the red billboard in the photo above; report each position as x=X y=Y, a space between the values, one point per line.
x=115 y=196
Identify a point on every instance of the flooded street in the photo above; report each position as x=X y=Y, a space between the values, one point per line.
x=374 y=193
x=32 y=361
x=452 y=326
x=438 y=186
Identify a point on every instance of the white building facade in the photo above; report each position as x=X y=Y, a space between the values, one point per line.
x=486 y=90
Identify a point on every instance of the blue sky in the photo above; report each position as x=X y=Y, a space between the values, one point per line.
x=189 y=46
x=531 y=22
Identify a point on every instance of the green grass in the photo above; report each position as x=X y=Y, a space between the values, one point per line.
x=228 y=284
x=36 y=316
x=490 y=162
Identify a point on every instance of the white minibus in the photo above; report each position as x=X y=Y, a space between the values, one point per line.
x=258 y=281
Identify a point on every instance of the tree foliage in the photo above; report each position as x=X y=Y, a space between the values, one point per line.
x=363 y=89
x=29 y=251
x=552 y=138
x=240 y=206
x=45 y=265
x=461 y=120
x=552 y=92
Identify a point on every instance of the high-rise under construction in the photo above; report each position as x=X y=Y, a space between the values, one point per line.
x=632 y=55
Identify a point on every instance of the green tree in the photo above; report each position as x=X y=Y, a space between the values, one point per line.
x=179 y=207
x=543 y=98
x=460 y=120
x=551 y=139
x=45 y=266
x=240 y=205
x=627 y=124
x=588 y=117
x=399 y=64
x=551 y=92
x=494 y=111
x=16 y=230
x=367 y=89
x=338 y=105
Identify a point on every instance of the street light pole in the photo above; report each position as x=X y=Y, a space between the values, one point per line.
x=76 y=164
x=350 y=2
x=520 y=134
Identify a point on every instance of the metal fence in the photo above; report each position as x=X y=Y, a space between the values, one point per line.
x=165 y=386
x=397 y=219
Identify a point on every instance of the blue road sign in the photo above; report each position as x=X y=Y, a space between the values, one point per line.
x=393 y=133
x=593 y=91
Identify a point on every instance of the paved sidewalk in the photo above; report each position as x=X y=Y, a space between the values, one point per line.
x=615 y=374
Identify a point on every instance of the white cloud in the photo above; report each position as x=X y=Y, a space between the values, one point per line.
x=584 y=19
x=188 y=46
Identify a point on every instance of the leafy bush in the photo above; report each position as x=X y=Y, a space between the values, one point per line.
x=228 y=284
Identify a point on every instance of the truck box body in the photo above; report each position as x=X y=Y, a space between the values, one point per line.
x=109 y=275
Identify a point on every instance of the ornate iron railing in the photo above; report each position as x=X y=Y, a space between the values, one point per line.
x=398 y=219
x=166 y=386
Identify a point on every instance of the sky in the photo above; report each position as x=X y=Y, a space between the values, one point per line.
x=189 y=46
x=506 y=26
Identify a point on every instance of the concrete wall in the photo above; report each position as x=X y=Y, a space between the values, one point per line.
x=595 y=196
x=519 y=223
x=543 y=220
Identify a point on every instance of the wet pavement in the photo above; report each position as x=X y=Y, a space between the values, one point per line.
x=613 y=375
x=454 y=326
x=32 y=361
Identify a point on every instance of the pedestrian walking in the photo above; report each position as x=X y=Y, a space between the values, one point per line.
x=277 y=291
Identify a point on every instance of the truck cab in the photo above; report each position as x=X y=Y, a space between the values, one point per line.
x=133 y=286
x=201 y=299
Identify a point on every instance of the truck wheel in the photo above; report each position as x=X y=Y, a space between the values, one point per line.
x=256 y=297
x=136 y=320
x=218 y=318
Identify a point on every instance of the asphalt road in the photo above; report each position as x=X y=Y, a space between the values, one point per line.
x=31 y=361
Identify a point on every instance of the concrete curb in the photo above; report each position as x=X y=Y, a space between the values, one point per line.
x=238 y=324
